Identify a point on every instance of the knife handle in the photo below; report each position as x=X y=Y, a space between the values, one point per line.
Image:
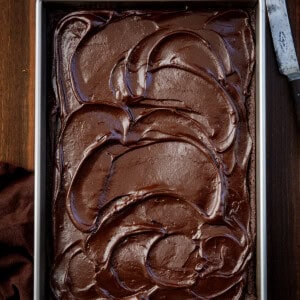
x=296 y=93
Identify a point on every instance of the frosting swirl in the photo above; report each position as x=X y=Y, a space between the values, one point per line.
x=151 y=196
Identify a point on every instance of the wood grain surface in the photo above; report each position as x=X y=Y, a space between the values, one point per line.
x=17 y=82
x=283 y=175
x=283 y=138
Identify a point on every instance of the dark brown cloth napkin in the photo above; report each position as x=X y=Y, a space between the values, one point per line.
x=16 y=233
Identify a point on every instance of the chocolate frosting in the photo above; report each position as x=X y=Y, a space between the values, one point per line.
x=151 y=192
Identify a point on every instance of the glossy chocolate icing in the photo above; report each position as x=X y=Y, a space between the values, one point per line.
x=151 y=193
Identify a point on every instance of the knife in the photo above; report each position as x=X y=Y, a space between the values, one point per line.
x=284 y=47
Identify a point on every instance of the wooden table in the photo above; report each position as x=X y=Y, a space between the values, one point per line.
x=17 y=82
x=283 y=172
x=283 y=140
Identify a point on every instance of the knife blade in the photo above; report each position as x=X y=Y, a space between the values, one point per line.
x=284 y=47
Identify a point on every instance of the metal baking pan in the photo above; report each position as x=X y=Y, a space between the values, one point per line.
x=41 y=229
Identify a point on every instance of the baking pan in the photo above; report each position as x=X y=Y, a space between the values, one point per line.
x=42 y=237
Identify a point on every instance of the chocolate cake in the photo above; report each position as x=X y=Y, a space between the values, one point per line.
x=152 y=194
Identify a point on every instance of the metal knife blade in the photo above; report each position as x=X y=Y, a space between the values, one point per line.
x=282 y=37
x=284 y=47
